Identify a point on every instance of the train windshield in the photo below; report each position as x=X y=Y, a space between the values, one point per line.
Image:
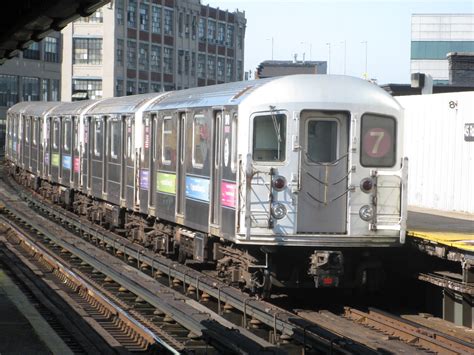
x=378 y=141
x=269 y=138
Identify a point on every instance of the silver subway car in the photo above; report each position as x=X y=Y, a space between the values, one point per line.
x=292 y=181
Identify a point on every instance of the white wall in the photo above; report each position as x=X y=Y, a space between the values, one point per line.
x=441 y=162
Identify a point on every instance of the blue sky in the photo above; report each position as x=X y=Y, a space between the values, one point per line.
x=298 y=25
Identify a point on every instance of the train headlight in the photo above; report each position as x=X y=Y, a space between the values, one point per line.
x=366 y=212
x=279 y=182
x=366 y=185
x=278 y=210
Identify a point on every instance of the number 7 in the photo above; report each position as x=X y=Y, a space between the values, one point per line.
x=379 y=135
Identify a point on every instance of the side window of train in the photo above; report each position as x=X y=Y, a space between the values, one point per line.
x=114 y=139
x=233 y=163
x=200 y=141
x=98 y=138
x=56 y=133
x=76 y=133
x=269 y=138
x=34 y=127
x=66 y=134
x=169 y=142
x=378 y=141
x=322 y=140
x=27 y=129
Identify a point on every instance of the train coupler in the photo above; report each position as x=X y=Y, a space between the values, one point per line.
x=326 y=267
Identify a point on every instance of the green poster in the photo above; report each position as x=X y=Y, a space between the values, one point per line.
x=55 y=160
x=166 y=183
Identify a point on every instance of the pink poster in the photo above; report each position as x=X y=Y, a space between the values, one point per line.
x=76 y=164
x=228 y=194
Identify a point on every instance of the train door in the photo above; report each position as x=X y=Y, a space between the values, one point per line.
x=114 y=159
x=145 y=160
x=40 y=147
x=128 y=181
x=76 y=153
x=152 y=170
x=55 y=143
x=180 y=168
x=47 y=147
x=86 y=158
x=322 y=201
x=26 y=142
x=216 y=169
x=34 y=145
x=66 y=150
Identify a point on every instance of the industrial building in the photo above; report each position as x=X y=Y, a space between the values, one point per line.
x=136 y=46
x=433 y=36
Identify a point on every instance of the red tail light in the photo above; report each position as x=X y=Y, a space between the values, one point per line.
x=279 y=182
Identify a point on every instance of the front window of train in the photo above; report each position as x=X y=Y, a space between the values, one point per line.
x=378 y=141
x=269 y=138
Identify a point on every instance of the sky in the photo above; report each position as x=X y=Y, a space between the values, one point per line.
x=306 y=26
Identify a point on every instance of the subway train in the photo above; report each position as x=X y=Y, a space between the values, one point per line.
x=294 y=181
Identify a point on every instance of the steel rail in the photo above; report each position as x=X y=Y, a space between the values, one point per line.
x=167 y=300
x=410 y=332
x=308 y=334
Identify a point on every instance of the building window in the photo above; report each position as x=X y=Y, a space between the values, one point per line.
x=119 y=11
x=240 y=38
x=155 y=58
x=119 y=50
x=186 y=26
x=240 y=70
x=33 y=51
x=54 y=83
x=437 y=50
x=143 y=56
x=220 y=69
x=119 y=87
x=144 y=17
x=132 y=14
x=202 y=66
x=202 y=29
x=193 y=63
x=155 y=87
x=51 y=49
x=31 y=88
x=186 y=62
x=87 y=51
x=221 y=33
x=193 y=28
x=8 y=90
x=211 y=31
x=230 y=70
x=168 y=22
x=168 y=60
x=131 y=54
x=96 y=17
x=211 y=67
x=180 y=24
x=155 y=19
x=230 y=35
x=92 y=86
x=142 y=87
x=44 y=89
x=131 y=87
x=180 y=61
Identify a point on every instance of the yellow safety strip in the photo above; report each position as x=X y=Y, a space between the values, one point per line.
x=464 y=241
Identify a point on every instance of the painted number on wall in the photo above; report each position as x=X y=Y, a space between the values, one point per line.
x=377 y=142
x=469 y=132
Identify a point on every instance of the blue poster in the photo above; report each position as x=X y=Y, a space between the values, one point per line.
x=67 y=162
x=144 y=179
x=197 y=188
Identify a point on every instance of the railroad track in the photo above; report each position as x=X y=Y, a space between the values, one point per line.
x=148 y=279
x=150 y=287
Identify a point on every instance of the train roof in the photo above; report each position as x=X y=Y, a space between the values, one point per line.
x=327 y=89
x=124 y=104
x=72 y=108
x=209 y=96
x=35 y=108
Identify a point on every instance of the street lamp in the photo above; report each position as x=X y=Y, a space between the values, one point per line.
x=366 y=75
x=344 y=42
x=268 y=39
x=329 y=57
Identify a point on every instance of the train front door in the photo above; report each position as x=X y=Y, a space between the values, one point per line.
x=322 y=200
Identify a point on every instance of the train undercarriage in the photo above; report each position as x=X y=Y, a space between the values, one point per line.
x=260 y=269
